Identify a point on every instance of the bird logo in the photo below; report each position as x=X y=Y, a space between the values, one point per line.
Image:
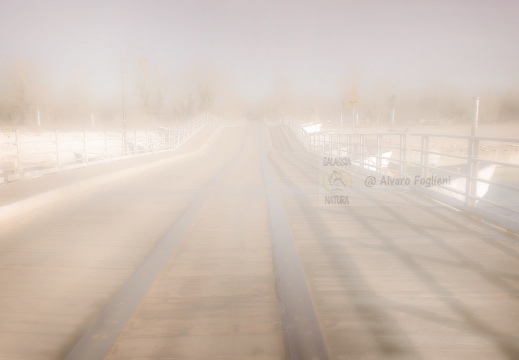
x=337 y=181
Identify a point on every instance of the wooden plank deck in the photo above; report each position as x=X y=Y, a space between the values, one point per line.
x=391 y=275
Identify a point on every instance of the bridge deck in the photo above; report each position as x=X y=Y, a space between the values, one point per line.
x=186 y=261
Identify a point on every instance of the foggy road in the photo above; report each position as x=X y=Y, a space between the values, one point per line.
x=226 y=253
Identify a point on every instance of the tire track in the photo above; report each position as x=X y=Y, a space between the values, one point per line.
x=305 y=337
x=97 y=341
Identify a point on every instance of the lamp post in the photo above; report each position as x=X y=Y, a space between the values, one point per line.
x=123 y=68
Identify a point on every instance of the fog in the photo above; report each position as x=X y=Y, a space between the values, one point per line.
x=284 y=187
x=62 y=59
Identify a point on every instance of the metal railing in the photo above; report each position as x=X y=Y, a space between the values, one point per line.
x=24 y=155
x=477 y=174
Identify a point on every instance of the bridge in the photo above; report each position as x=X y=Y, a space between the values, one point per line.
x=224 y=249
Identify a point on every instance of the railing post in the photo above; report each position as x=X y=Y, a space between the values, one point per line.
x=106 y=144
x=475 y=170
x=136 y=150
x=471 y=188
x=362 y=156
x=56 y=140
x=85 y=156
x=123 y=142
x=424 y=158
x=350 y=146
x=342 y=145
x=403 y=154
x=18 y=143
x=379 y=154
x=468 y=174
x=323 y=136
x=323 y=141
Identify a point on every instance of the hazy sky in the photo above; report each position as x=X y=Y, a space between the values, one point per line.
x=315 y=44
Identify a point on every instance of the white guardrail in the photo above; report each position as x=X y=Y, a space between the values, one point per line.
x=25 y=155
x=477 y=174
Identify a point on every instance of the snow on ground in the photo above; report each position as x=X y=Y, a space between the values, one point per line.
x=40 y=148
x=44 y=150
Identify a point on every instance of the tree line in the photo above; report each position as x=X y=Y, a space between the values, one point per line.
x=29 y=98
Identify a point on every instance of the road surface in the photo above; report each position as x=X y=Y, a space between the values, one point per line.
x=227 y=253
